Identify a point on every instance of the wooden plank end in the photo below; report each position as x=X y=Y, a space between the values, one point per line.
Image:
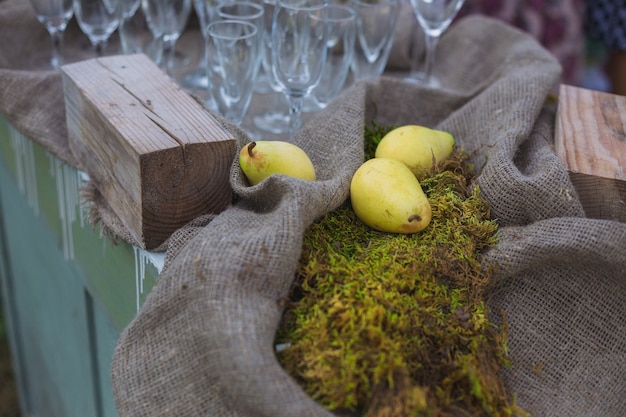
x=157 y=156
x=590 y=139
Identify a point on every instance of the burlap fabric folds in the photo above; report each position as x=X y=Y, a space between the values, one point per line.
x=202 y=345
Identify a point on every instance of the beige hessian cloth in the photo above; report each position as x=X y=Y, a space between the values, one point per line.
x=202 y=344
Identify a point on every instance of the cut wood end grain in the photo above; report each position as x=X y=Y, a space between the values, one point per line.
x=157 y=156
x=590 y=139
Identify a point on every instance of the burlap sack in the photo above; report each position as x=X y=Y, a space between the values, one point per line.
x=202 y=345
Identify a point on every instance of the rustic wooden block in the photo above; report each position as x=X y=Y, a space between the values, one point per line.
x=157 y=156
x=590 y=138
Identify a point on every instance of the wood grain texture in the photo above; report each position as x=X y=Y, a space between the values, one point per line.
x=157 y=156
x=590 y=139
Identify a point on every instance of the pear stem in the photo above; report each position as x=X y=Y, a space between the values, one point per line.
x=250 y=148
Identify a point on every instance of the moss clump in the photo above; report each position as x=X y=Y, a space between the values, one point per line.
x=397 y=325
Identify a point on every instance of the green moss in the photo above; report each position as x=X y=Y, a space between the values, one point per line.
x=397 y=325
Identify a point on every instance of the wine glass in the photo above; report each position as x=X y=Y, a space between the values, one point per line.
x=167 y=19
x=232 y=65
x=127 y=42
x=376 y=27
x=276 y=119
x=135 y=34
x=434 y=16
x=299 y=35
x=98 y=19
x=253 y=13
x=340 y=46
x=197 y=78
x=54 y=14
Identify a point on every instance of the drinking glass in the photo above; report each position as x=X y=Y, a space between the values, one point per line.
x=233 y=64
x=135 y=34
x=299 y=35
x=98 y=19
x=128 y=42
x=434 y=16
x=167 y=20
x=376 y=24
x=340 y=46
x=253 y=13
x=197 y=78
x=54 y=14
x=276 y=119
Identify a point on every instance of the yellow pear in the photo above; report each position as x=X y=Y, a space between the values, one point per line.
x=386 y=196
x=260 y=159
x=416 y=147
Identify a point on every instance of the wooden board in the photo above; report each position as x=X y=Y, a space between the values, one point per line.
x=590 y=139
x=157 y=156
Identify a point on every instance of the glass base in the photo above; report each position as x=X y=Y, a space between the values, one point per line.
x=196 y=79
x=420 y=78
x=180 y=59
x=274 y=122
x=262 y=84
x=44 y=61
x=310 y=104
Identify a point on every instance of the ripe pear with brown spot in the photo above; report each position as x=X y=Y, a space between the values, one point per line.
x=418 y=147
x=260 y=159
x=387 y=197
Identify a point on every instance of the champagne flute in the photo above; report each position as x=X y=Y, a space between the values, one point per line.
x=376 y=23
x=197 y=78
x=341 y=22
x=98 y=19
x=253 y=13
x=232 y=65
x=176 y=18
x=276 y=119
x=299 y=35
x=135 y=34
x=54 y=14
x=167 y=20
x=434 y=16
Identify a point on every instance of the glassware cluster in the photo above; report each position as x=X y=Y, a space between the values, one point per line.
x=293 y=52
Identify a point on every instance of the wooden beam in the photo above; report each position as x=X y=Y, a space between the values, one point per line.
x=590 y=139
x=157 y=156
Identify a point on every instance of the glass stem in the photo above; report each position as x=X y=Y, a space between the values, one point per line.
x=278 y=105
x=295 y=109
x=431 y=47
x=57 y=48
x=415 y=54
x=99 y=48
x=203 y=55
x=168 y=55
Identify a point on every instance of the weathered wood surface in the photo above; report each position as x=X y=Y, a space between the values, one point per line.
x=155 y=154
x=590 y=138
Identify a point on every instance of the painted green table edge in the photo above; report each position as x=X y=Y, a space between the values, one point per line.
x=118 y=275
